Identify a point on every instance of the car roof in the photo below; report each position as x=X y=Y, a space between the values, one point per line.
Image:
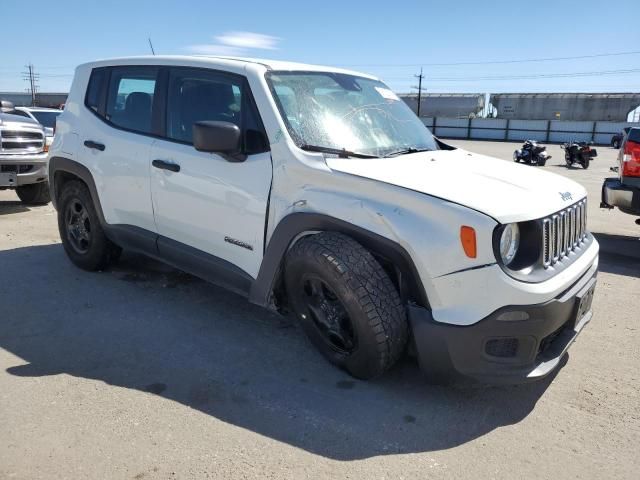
x=222 y=61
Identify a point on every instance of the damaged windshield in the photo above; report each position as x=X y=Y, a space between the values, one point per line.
x=336 y=111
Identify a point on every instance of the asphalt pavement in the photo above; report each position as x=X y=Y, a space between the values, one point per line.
x=144 y=372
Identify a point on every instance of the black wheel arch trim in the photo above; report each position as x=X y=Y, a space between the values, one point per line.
x=63 y=164
x=294 y=224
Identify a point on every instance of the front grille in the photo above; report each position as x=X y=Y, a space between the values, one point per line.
x=21 y=141
x=563 y=232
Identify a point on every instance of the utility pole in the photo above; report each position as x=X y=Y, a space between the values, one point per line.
x=419 y=77
x=31 y=77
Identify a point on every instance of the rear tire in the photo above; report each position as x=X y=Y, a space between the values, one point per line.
x=82 y=235
x=346 y=304
x=34 y=194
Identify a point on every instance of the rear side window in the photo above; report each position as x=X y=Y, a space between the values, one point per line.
x=130 y=97
x=95 y=89
x=634 y=135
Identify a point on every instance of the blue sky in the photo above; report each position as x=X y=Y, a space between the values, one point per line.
x=389 y=39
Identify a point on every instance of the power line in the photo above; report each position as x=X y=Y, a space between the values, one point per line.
x=498 y=62
x=536 y=76
x=600 y=73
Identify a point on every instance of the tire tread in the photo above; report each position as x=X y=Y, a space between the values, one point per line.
x=376 y=294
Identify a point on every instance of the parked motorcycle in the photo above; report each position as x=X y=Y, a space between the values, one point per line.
x=532 y=153
x=579 y=152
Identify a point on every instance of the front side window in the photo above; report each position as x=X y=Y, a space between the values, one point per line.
x=346 y=112
x=130 y=97
x=195 y=95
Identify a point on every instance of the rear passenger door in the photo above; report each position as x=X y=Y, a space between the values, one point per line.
x=117 y=141
x=213 y=205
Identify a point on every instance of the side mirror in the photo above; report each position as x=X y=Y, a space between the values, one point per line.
x=6 y=106
x=218 y=137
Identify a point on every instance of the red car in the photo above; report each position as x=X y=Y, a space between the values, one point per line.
x=624 y=191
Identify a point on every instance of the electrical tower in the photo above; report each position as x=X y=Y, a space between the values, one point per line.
x=32 y=78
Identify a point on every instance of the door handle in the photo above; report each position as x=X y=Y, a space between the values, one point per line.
x=162 y=165
x=94 y=145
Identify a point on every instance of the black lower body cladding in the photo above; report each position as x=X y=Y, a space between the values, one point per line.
x=515 y=344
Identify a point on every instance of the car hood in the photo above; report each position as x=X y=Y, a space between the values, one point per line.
x=506 y=191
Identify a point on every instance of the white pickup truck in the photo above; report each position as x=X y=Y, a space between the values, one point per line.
x=315 y=190
x=23 y=157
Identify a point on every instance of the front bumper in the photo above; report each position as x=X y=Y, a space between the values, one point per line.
x=617 y=194
x=514 y=344
x=29 y=168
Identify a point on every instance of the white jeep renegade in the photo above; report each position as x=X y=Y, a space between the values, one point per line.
x=316 y=190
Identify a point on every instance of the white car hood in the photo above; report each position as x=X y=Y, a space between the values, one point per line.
x=506 y=191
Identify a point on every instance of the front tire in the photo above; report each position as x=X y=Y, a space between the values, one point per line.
x=346 y=304
x=516 y=157
x=615 y=143
x=34 y=193
x=585 y=163
x=82 y=235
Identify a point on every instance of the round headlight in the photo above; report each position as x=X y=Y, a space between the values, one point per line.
x=509 y=241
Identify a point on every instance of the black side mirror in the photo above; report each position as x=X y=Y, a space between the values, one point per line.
x=218 y=137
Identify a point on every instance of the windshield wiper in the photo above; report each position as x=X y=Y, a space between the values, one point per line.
x=406 y=151
x=342 y=153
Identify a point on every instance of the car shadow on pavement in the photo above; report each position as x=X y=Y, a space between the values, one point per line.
x=146 y=327
x=619 y=254
x=7 y=208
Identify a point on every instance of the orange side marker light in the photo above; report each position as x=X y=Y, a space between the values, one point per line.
x=468 y=240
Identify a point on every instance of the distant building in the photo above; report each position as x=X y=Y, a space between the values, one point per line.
x=565 y=106
x=22 y=99
x=452 y=105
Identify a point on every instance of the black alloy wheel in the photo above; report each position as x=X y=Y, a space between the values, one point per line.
x=78 y=226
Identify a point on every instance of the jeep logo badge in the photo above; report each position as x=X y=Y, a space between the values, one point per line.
x=566 y=196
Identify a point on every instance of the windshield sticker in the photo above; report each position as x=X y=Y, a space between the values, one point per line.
x=386 y=93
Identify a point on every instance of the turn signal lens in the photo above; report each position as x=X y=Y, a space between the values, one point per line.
x=468 y=240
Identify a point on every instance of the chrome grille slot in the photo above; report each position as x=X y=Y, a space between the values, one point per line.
x=563 y=232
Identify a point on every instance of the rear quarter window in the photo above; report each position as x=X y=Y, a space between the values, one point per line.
x=95 y=89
